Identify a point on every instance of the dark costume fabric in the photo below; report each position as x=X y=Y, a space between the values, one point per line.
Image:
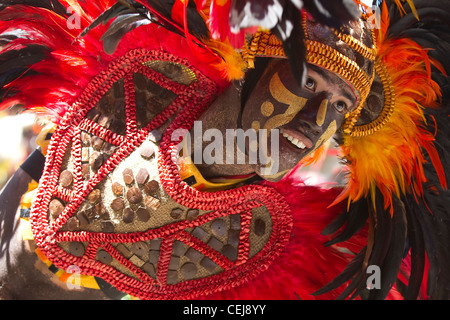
x=120 y=78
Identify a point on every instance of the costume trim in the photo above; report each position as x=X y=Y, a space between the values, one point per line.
x=389 y=104
x=84 y=281
x=27 y=235
x=192 y=176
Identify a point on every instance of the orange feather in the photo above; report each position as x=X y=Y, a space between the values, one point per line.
x=393 y=157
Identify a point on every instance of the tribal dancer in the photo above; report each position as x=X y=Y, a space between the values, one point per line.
x=117 y=203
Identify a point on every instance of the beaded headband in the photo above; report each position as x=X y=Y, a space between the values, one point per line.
x=265 y=44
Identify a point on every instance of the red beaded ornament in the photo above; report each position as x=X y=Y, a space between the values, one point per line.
x=186 y=107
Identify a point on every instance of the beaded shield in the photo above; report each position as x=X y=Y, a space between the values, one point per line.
x=112 y=203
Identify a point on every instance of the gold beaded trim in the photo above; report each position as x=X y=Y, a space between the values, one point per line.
x=262 y=44
x=329 y=58
x=358 y=46
x=388 y=108
x=266 y=44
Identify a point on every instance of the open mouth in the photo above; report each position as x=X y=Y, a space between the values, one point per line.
x=296 y=138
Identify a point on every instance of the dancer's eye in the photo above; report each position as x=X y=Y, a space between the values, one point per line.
x=310 y=84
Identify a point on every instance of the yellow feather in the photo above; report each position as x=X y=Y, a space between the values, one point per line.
x=411 y=4
x=391 y=159
x=413 y=8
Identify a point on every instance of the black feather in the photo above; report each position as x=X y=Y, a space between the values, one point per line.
x=120 y=27
x=333 y=13
x=429 y=215
x=415 y=237
x=382 y=231
x=127 y=15
x=355 y=219
x=164 y=7
x=428 y=16
x=16 y=63
x=391 y=260
x=431 y=31
x=348 y=273
x=420 y=225
x=386 y=251
x=195 y=23
x=53 y=5
x=114 y=11
x=358 y=282
x=293 y=44
x=337 y=223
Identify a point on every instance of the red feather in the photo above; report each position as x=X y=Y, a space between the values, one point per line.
x=73 y=61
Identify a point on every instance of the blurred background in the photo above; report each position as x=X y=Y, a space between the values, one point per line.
x=18 y=133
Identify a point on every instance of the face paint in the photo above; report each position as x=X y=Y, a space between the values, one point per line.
x=322 y=112
x=331 y=130
x=280 y=93
x=267 y=108
x=305 y=117
x=256 y=125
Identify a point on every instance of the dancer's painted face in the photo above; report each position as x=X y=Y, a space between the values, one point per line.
x=306 y=117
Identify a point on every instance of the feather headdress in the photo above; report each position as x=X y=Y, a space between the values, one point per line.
x=399 y=172
x=63 y=45
x=403 y=136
